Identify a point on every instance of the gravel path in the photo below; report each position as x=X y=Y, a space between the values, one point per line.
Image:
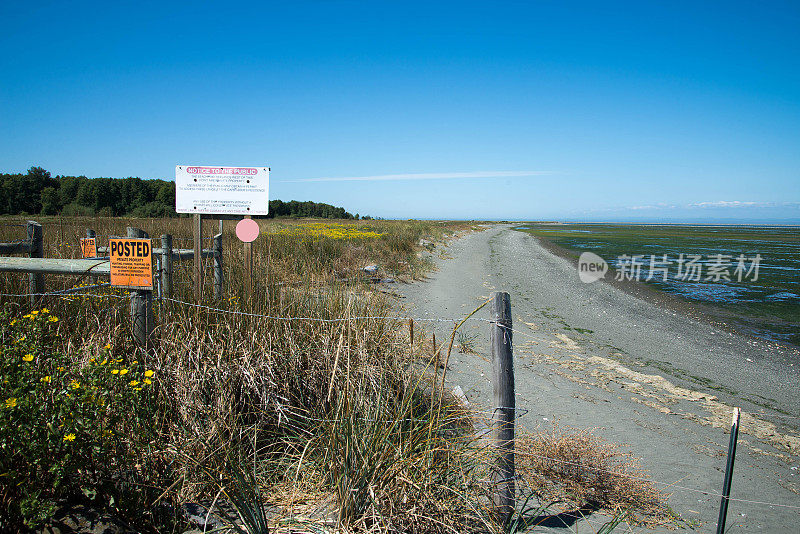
x=593 y=356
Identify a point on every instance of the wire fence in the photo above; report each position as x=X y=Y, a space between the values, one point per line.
x=85 y=291
x=670 y=485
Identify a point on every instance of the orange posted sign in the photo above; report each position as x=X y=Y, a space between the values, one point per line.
x=89 y=247
x=131 y=263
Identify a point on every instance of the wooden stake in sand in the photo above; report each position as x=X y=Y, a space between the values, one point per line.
x=504 y=407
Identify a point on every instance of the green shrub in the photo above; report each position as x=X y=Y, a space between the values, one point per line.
x=67 y=428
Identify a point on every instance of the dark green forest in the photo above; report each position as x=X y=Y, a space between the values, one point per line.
x=37 y=192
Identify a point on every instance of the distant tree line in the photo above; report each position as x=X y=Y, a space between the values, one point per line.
x=36 y=192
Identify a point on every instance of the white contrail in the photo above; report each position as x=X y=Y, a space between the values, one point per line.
x=426 y=176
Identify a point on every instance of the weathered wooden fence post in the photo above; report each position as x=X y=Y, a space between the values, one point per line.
x=141 y=305
x=166 y=266
x=157 y=279
x=36 y=240
x=218 y=279
x=504 y=407
x=91 y=234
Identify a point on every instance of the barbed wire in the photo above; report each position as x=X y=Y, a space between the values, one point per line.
x=212 y=309
x=315 y=319
x=288 y=414
x=63 y=292
x=78 y=289
x=407 y=419
x=471 y=412
x=785 y=416
x=657 y=482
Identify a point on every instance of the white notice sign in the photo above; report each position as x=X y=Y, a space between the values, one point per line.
x=222 y=190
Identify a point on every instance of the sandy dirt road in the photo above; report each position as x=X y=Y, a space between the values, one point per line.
x=593 y=356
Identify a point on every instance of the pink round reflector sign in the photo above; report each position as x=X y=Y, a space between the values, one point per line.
x=247 y=230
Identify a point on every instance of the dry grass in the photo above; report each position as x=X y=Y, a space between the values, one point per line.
x=310 y=411
x=322 y=407
x=581 y=470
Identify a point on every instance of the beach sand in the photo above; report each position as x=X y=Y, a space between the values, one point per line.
x=638 y=368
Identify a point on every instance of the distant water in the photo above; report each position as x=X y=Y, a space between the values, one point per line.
x=749 y=272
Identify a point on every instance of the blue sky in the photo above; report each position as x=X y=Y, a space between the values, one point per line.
x=501 y=110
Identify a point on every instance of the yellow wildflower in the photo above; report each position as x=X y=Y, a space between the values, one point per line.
x=115 y=371
x=105 y=361
x=148 y=373
x=134 y=382
x=148 y=381
x=60 y=369
x=134 y=362
x=45 y=379
x=69 y=437
x=75 y=384
x=137 y=389
x=52 y=319
x=11 y=402
x=45 y=310
x=108 y=346
x=13 y=322
x=28 y=316
x=35 y=312
x=123 y=372
x=27 y=358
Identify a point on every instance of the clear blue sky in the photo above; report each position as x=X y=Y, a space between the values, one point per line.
x=505 y=110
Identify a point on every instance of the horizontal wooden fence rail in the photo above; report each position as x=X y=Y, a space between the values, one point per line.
x=142 y=317
x=177 y=253
x=94 y=267
x=15 y=248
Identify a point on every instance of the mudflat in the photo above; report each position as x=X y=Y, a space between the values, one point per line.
x=594 y=356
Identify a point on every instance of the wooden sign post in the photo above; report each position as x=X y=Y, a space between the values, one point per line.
x=198 y=257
